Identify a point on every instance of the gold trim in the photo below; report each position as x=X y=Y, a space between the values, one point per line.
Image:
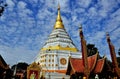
x=60 y=48
x=63 y=61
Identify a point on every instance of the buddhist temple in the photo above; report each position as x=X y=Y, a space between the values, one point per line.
x=54 y=55
x=83 y=67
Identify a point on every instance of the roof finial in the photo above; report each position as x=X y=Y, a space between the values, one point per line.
x=80 y=28
x=107 y=35
x=58 y=24
x=58 y=6
x=80 y=31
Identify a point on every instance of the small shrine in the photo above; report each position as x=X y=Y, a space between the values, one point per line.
x=33 y=71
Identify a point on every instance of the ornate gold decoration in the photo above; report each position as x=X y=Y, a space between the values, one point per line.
x=58 y=24
x=33 y=67
x=60 y=48
x=63 y=61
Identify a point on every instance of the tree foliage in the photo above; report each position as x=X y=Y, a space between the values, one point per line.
x=119 y=52
x=2 y=7
x=91 y=49
x=118 y=58
x=20 y=66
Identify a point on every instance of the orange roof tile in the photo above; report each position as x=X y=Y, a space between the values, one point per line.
x=99 y=65
x=77 y=64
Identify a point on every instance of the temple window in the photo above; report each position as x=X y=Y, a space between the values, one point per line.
x=67 y=46
x=52 y=60
x=56 y=35
x=48 y=49
x=52 y=55
x=49 y=65
x=56 y=64
x=52 y=64
x=49 y=60
x=58 y=45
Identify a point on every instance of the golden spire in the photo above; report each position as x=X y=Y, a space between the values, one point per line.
x=58 y=23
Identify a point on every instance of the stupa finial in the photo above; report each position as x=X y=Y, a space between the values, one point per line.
x=58 y=23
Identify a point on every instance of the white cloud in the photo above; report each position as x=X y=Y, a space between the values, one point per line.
x=14 y=55
x=92 y=12
x=33 y=1
x=113 y=22
x=10 y=3
x=106 y=6
x=115 y=34
x=84 y=3
x=25 y=28
x=21 y=5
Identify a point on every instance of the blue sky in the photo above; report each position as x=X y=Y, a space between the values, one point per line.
x=26 y=24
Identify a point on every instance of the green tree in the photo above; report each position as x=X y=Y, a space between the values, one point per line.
x=118 y=58
x=2 y=7
x=20 y=68
x=119 y=52
x=91 y=49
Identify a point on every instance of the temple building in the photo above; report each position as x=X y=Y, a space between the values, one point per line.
x=84 y=67
x=54 y=55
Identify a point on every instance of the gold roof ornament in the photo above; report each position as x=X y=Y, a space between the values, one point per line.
x=58 y=23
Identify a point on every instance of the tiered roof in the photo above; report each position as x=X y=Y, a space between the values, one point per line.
x=94 y=65
x=59 y=39
x=3 y=64
x=86 y=65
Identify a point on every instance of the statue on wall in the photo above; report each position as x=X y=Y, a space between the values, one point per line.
x=32 y=76
x=33 y=71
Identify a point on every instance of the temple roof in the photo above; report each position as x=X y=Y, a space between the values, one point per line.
x=94 y=65
x=99 y=65
x=34 y=65
x=3 y=63
x=59 y=39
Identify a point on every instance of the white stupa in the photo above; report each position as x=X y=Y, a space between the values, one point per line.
x=54 y=55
